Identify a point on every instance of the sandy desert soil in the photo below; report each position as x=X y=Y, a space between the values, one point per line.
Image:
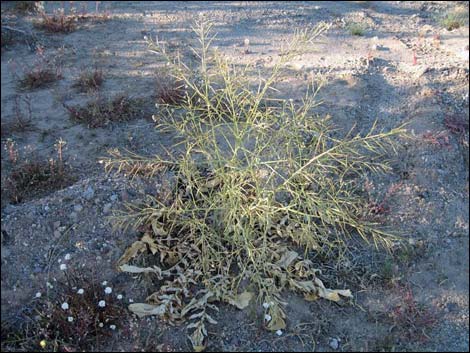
x=404 y=68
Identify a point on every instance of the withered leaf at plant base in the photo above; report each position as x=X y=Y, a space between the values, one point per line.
x=157 y=228
x=241 y=301
x=287 y=258
x=135 y=269
x=277 y=319
x=136 y=248
x=197 y=303
x=210 y=185
x=153 y=246
x=198 y=336
x=142 y=309
x=331 y=294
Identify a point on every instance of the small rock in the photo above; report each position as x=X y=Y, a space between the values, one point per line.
x=451 y=307
x=89 y=193
x=374 y=47
x=56 y=233
x=124 y=195
x=107 y=208
x=114 y=197
x=73 y=215
x=334 y=343
x=78 y=208
x=56 y=224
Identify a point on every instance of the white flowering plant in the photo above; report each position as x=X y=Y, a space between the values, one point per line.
x=72 y=309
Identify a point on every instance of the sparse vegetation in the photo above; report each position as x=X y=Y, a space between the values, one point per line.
x=7 y=38
x=80 y=327
x=257 y=183
x=235 y=194
x=410 y=318
x=101 y=112
x=454 y=19
x=58 y=22
x=169 y=91
x=43 y=72
x=21 y=121
x=356 y=29
x=28 y=6
x=35 y=178
x=89 y=80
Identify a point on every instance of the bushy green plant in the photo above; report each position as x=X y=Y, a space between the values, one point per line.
x=356 y=29
x=257 y=184
x=454 y=19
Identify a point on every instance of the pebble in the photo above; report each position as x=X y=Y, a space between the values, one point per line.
x=107 y=208
x=78 y=208
x=89 y=193
x=56 y=224
x=56 y=233
x=334 y=343
x=114 y=197
x=73 y=215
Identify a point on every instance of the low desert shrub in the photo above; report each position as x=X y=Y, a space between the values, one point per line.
x=254 y=186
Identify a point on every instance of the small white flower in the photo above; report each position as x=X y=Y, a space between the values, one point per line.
x=63 y=267
x=38 y=295
x=100 y=324
x=104 y=283
x=266 y=305
x=112 y=327
x=70 y=319
x=119 y=296
x=267 y=317
x=108 y=290
x=67 y=257
x=279 y=332
x=65 y=306
x=80 y=291
x=102 y=304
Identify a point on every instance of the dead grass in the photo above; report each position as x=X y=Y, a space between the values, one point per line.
x=59 y=22
x=169 y=90
x=101 y=112
x=89 y=80
x=35 y=178
x=56 y=22
x=7 y=38
x=411 y=319
x=26 y=7
x=22 y=121
x=43 y=72
x=457 y=124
